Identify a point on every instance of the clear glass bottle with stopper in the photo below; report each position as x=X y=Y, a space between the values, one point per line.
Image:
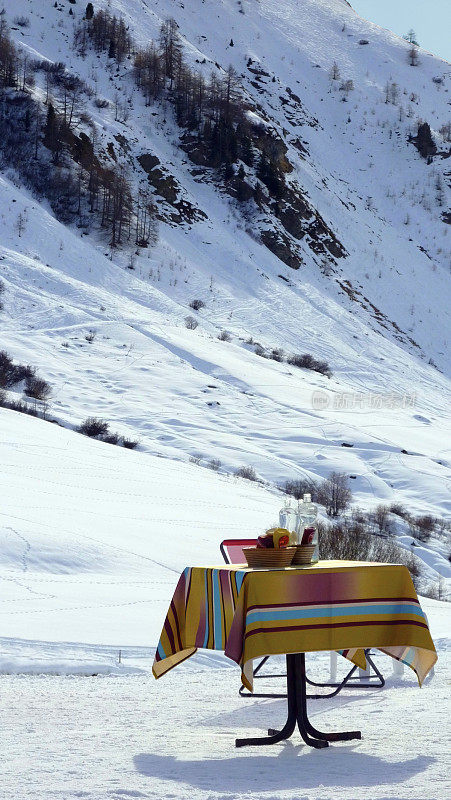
x=287 y=519
x=300 y=522
x=309 y=517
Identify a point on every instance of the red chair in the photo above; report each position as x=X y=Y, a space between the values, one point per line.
x=232 y=553
x=232 y=550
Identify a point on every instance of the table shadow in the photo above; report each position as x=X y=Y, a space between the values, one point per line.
x=250 y=714
x=339 y=765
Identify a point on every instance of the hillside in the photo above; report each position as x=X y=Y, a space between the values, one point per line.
x=361 y=218
x=93 y=538
x=224 y=234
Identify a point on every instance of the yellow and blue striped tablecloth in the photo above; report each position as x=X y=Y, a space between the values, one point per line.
x=333 y=605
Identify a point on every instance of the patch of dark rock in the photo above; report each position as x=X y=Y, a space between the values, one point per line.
x=280 y=245
x=110 y=151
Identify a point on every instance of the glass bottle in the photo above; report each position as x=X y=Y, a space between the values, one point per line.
x=287 y=519
x=300 y=521
x=310 y=515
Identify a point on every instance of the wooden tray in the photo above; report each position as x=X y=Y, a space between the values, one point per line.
x=264 y=558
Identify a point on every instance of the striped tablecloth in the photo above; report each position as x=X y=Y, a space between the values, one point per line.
x=333 y=605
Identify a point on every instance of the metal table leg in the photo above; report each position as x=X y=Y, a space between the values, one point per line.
x=302 y=705
x=288 y=728
x=297 y=713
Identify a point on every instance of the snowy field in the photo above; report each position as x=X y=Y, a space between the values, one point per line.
x=124 y=736
x=93 y=538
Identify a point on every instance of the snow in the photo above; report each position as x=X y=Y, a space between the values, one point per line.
x=93 y=537
x=92 y=540
x=131 y=736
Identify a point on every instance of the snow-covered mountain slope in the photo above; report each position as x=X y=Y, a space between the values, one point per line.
x=185 y=392
x=378 y=315
x=94 y=537
x=355 y=166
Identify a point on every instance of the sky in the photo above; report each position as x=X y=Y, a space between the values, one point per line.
x=430 y=19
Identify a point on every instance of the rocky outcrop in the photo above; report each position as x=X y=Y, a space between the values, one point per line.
x=282 y=247
x=167 y=187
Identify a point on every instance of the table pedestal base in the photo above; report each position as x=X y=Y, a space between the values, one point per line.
x=297 y=713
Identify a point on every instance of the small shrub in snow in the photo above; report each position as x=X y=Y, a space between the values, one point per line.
x=101 y=102
x=431 y=591
x=224 y=336
x=191 y=323
x=399 y=510
x=413 y=564
x=90 y=336
x=129 y=444
x=93 y=427
x=307 y=361
x=347 y=540
x=195 y=459
x=422 y=527
x=381 y=518
x=260 y=351
x=22 y=408
x=86 y=118
x=37 y=388
x=214 y=464
x=2 y=291
x=97 y=428
x=443 y=528
x=246 y=472
x=22 y=21
x=277 y=354
x=334 y=73
x=11 y=373
x=350 y=541
x=111 y=438
x=300 y=486
x=196 y=305
x=346 y=87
